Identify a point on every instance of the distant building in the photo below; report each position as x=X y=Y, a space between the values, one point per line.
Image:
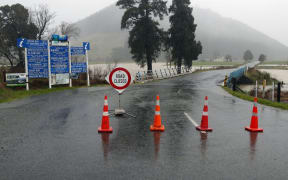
x=220 y=59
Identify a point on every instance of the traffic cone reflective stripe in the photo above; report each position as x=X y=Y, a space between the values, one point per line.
x=204 y=122
x=205 y=113
x=105 y=125
x=157 y=126
x=254 y=119
x=206 y=102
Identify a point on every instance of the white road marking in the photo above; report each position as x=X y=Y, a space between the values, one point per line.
x=193 y=122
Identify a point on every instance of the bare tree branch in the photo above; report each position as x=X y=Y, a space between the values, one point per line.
x=71 y=30
x=42 y=17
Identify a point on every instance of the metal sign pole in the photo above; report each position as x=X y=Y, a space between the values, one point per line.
x=87 y=64
x=70 y=69
x=119 y=100
x=256 y=89
x=26 y=70
x=120 y=78
x=273 y=89
x=49 y=65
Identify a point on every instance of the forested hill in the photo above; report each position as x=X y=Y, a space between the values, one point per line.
x=219 y=36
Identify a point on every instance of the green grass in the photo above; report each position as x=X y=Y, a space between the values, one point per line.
x=207 y=63
x=8 y=95
x=260 y=101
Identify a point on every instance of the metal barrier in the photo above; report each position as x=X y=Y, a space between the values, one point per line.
x=238 y=73
x=161 y=74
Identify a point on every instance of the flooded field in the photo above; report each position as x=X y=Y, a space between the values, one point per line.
x=281 y=75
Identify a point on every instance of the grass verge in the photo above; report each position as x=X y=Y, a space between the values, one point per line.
x=260 y=101
x=8 y=95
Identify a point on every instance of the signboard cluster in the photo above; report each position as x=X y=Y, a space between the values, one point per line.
x=53 y=62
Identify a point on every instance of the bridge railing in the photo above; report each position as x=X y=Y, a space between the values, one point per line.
x=163 y=73
x=239 y=72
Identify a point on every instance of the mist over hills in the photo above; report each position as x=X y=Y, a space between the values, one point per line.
x=219 y=36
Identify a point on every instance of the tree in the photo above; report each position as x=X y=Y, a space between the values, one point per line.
x=14 y=23
x=65 y=28
x=182 y=34
x=248 y=56
x=228 y=58
x=262 y=58
x=71 y=30
x=145 y=36
x=42 y=17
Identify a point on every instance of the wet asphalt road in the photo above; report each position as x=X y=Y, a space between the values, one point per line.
x=54 y=136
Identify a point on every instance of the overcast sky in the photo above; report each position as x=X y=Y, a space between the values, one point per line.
x=267 y=16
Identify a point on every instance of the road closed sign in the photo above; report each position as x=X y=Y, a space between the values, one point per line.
x=119 y=78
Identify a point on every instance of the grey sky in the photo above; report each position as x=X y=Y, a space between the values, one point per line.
x=267 y=16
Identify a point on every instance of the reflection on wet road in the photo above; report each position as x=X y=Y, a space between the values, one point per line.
x=54 y=136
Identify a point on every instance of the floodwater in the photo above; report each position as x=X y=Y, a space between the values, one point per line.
x=55 y=136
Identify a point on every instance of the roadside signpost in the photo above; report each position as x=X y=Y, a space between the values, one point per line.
x=42 y=60
x=80 y=67
x=76 y=51
x=21 y=42
x=37 y=58
x=86 y=46
x=120 y=79
x=59 y=56
x=16 y=79
x=70 y=62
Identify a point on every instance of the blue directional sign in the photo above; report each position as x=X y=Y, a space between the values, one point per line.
x=37 y=59
x=86 y=45
x=36 y=43
x=21 y=42
x=78 y=67
x=59 y=57
x=27 y=43
x=76 y=51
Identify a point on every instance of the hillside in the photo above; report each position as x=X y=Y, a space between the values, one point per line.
x=219 y=36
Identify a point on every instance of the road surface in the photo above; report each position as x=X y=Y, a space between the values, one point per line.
x=54 y=136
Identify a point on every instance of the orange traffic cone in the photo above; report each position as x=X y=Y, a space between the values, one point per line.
x=204 y=121
x=254 y=119
x=157 y=126
x=105 y=126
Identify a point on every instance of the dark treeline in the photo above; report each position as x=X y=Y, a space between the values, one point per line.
x=146 y=38
x=17 y=21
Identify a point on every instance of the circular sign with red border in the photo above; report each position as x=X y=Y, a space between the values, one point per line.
x=119 y=78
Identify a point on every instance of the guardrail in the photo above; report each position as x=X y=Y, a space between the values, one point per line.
x=161 y=74
x=239 y=72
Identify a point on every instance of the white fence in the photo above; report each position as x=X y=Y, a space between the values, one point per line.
x=165 y=73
